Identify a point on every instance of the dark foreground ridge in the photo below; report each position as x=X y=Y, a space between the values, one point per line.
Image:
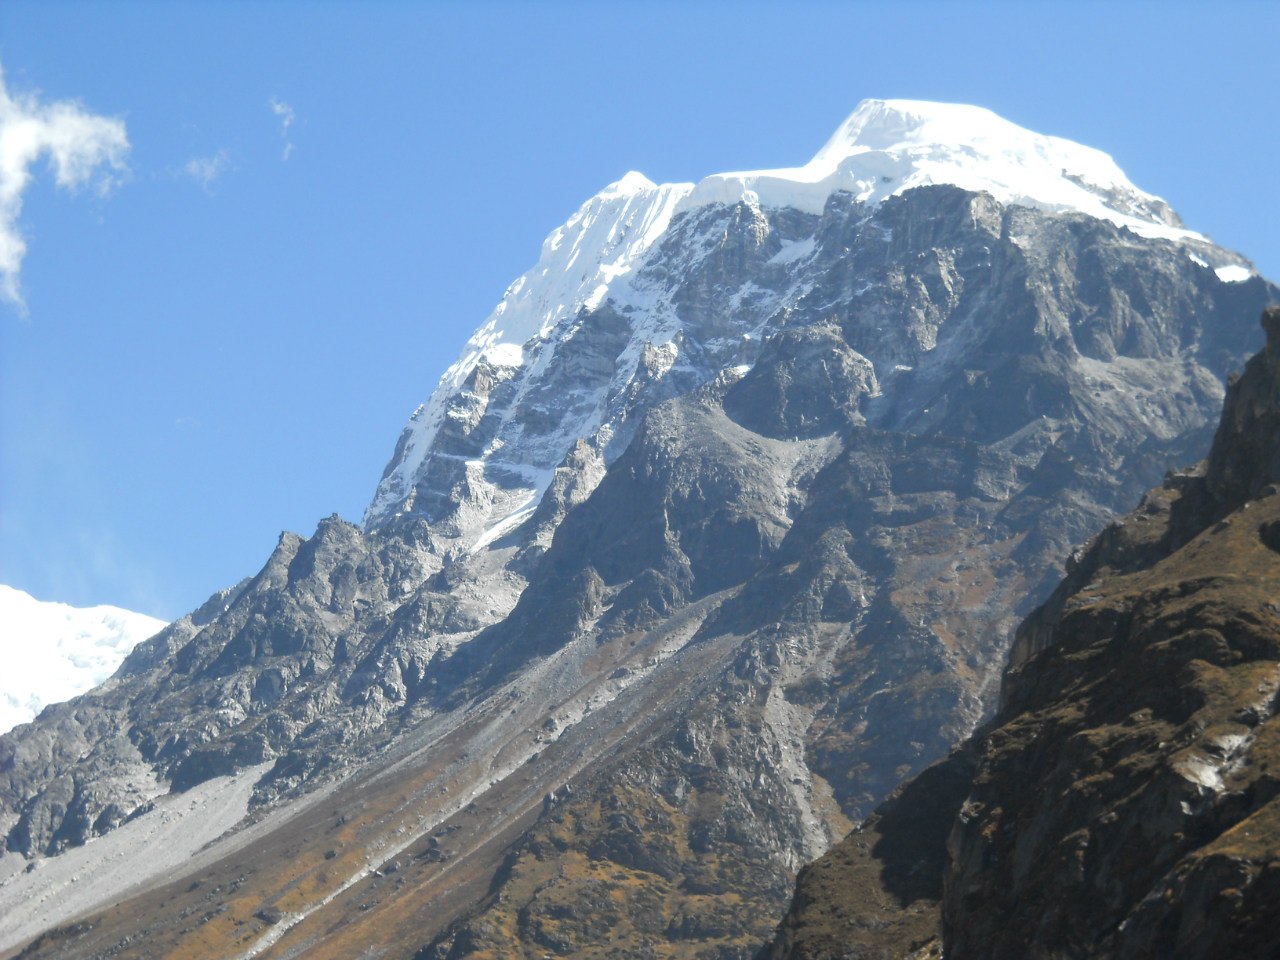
x=1125 y=801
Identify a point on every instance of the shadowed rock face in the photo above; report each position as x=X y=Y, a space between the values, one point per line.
x=786 y=585
x=1125 y=800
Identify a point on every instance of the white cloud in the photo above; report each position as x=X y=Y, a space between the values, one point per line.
x=82 y=148
x=286 y=115
x=205 y=170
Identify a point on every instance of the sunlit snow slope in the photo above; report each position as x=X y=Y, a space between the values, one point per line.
x=50 y=652
x=887 y=147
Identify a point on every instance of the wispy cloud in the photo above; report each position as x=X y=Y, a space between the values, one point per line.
x=82 y=148
x=287 y=116
x=205 y=170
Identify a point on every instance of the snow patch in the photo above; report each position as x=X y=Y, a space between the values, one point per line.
x=505 y=355
x=509 y=522
x=793 y=250
x=1233 y=274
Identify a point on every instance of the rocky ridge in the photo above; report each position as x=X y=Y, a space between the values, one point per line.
x=1124 y=801
x=839 y=452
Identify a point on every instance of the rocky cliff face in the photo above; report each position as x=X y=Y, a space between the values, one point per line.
x=653 y=602
x=1125 y=799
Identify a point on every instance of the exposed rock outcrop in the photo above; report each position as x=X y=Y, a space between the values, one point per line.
x=1125 y=801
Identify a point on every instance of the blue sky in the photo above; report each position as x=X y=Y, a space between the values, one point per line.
x=228 y=342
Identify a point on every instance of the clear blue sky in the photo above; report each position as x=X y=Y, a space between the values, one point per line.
x=229 y=343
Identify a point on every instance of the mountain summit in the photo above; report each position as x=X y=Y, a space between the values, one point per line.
x=718 y=529
x=472 y=441
x=887 y=147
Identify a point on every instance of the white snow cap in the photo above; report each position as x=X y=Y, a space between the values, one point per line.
x=887 y=147
x=52 y=652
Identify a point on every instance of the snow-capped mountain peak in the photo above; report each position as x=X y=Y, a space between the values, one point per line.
x=477 y=457
x=51 y=651
x=722 y=522
x=886 y=147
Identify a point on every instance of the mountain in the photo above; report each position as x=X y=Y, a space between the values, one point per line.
x=1125 y=799
x=649 y=266
x=718 y=529
x=52 y=651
